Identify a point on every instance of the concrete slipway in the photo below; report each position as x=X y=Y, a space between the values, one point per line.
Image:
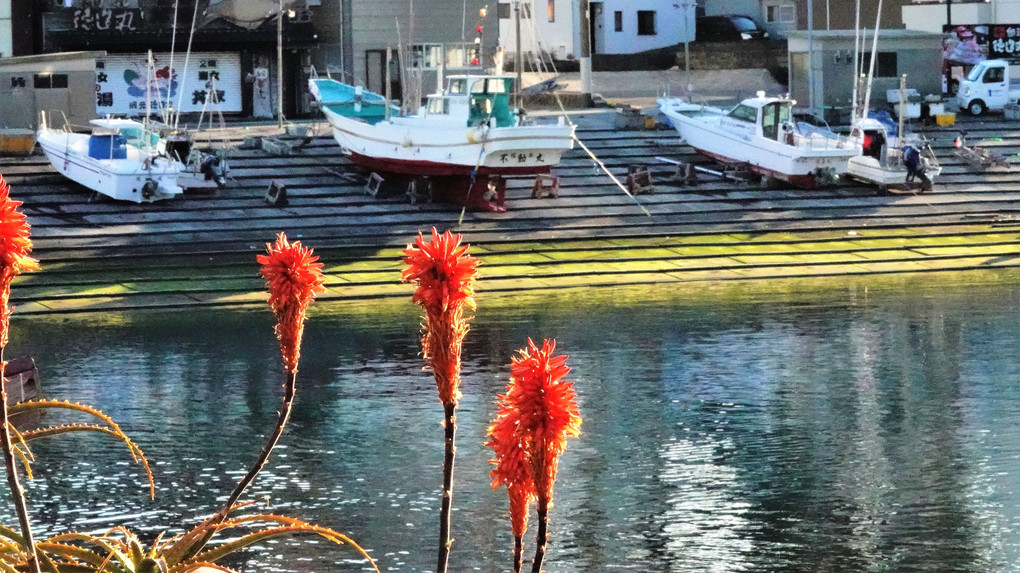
x=102 y=256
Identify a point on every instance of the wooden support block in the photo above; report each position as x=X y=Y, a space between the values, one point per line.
x=639 y=179
x=373 y=184
x=277 y=194
x=419 y=188
x=539 y=190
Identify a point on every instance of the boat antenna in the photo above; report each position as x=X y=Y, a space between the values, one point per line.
x=184 y=74
x=170 y=76
x=857 y=56
x=874 y=56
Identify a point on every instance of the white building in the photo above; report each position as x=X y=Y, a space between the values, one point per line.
x=615 y=27
x=931 y=17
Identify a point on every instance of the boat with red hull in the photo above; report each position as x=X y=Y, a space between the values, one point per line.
x=461 y=143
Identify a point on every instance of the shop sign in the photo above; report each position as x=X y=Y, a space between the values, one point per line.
x=124 y=83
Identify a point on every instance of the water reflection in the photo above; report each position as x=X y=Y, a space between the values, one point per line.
x=832 y=432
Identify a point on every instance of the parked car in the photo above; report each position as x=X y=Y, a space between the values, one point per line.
x=728 y=28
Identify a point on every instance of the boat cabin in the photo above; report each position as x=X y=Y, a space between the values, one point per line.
x=767 y=117
x=479 y=98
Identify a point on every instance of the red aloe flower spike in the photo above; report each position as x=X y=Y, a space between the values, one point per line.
x=547 y=413
x=15 y=245
x=444 y=275
x=512 y=471
x=293 y=277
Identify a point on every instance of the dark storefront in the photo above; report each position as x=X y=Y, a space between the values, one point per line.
x=239 y=58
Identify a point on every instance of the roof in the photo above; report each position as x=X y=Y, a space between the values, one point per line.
x=58 y=62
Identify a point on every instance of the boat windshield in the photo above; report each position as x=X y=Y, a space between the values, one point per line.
x=489 y=85
x=439 y=106
x=744 y=113
x=975 y=74
x=458 y=86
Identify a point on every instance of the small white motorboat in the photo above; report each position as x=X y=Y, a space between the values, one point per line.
x=121 y=159
x=760 y=133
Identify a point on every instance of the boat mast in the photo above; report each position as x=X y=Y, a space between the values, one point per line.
x=518 y=60
x=857 y=55
x=279 y=65
x=170 y=78
x=184 y=73
x=874 y=56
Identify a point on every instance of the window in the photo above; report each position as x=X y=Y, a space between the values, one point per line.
x=618 y=21
x=426 y=56
x=551 y=9
x=744 y=113
x=885 y=65
x=780 y=14
x=503 y=11
x=50 y=81
x=646 y=22
x=993 y=75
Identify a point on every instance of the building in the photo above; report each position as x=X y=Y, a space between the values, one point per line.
x=235 y=43
x=779 y=17
x=62 y=85
x=831 y=55
x=931 y=16
x=552 y=27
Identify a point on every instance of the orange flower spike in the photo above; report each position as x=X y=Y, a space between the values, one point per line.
x=293 y=277
x=15 y=244
x=547 y=410
x=443 y=272
x=511 y=466
x=444 y=275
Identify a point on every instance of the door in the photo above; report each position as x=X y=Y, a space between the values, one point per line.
x=995 y=85
x=598 y=36
x=375 y=71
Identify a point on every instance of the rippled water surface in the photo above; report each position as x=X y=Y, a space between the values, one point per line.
x=856 y=428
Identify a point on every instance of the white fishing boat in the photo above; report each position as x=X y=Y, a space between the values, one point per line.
x=465 y=136
x=760 y=133
x=120 y=158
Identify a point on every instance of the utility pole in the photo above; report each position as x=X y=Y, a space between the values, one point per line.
x=811 y=55
x=279 y=65
x=949 y=12
x=584 y=18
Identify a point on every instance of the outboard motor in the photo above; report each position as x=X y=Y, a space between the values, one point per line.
x=914 y=163
x=213 y=169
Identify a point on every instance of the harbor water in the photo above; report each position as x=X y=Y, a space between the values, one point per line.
x=857 y=427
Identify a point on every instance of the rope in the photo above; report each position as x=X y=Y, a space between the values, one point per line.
x=611 y=176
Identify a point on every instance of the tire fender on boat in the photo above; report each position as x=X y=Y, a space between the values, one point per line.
x=149 y=189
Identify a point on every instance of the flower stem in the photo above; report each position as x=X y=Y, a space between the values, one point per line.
x=17 y=492
x=518 y=553
x=542 y=536
x=209 y=529
x=450 y=409
x=290 y=388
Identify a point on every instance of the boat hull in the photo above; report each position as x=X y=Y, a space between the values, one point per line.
x=414 y=147
x=869 y=169
x=816 y=160
x=136 y=178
